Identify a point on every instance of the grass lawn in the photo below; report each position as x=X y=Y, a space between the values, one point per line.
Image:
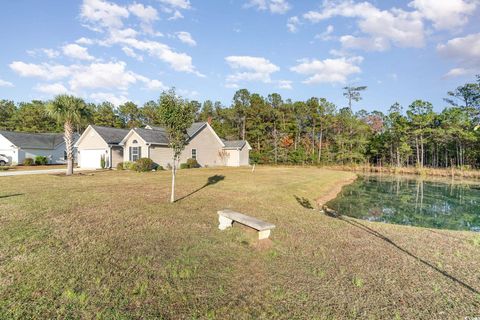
x=39 y=167
x=109 y=246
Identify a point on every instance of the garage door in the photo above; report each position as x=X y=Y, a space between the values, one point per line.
x=90 y=159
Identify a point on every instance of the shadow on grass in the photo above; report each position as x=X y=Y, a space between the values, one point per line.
x=11 y=195
x=210 y=181
x=391 y=242
x=304 y=202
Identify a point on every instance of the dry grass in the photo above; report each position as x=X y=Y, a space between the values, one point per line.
x=433 y=172
x=109 y=246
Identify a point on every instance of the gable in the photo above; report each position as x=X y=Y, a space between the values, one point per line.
x=90 y=139
x=6 y=144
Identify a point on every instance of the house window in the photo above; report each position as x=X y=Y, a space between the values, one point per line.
x=194 y=154
x=135 y=153
x=64 y=155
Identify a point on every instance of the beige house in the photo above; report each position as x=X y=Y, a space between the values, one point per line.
x=97 y=143
x=118 y=145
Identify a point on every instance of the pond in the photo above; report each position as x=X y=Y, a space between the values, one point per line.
x=414 y=202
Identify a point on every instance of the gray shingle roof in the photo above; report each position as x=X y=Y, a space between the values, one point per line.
x=194 y=128
x=154 y=136
x=234 y=144
x=34 y=140
x=111 y=135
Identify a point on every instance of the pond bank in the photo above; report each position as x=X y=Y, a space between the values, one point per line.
x=334 y=191
x=434 y=172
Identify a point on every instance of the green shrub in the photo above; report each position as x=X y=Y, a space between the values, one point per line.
x=193 y=163
x=159 y=168
x=184 y=166
x=103 y=162
x=120 y=166
x=127 y=165
x=28 y=162
x=144 y=165
x=40 y=160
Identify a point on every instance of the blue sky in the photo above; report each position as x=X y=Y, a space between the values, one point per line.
x=132 y=50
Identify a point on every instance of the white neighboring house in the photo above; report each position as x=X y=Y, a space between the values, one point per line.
x=17 y=146
x=98 y=142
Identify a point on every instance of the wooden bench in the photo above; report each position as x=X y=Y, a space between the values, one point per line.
x=226 y=218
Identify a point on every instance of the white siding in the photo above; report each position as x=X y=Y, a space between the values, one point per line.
x=10 y=152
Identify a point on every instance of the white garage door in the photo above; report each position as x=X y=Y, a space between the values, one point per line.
x=90 y=159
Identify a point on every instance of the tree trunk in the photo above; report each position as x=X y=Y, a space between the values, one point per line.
x=275 y=138
x=68 y=137
x=174 y=169
x=422 y=153
x=320 y=146
x=244 y=127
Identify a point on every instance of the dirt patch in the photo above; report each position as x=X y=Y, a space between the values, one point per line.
x=334 y=191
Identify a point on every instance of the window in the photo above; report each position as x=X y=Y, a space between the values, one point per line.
x=194 y=154
x=64 y=155
x=135 y=153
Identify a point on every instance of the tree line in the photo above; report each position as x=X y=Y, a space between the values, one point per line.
x=314 y=131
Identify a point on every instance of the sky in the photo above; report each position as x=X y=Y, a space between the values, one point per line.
x=121 y=50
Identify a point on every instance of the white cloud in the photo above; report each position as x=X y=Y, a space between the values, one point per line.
x=147 y=14
x=155 y=85
x=45 y=71
x=253 y=69
x=394 y=26
x=367 y=44
x=176 y=15
x=49 y=53
x=186 y=38
x=51 y=89
x=446 y=14
x=327 y=34
x=5 y=83
x=274 y=6
x=85 y=41
x=104 y=13
x=131 y=53
x=329 y=70
x=292 y=24
x=116 y=99
x=102 y=75
x=75 y=51
x=284 y=84
x=178 y=61
x=181 y=4
x=465 y=51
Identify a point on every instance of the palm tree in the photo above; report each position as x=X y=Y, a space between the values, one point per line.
x=70 y=110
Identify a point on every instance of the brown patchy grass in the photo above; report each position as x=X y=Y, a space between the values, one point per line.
x=109 y=246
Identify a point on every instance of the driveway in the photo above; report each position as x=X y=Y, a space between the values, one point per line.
x=27 y=172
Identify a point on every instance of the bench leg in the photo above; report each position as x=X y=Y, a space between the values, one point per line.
x=263 y=234
x=224 y=223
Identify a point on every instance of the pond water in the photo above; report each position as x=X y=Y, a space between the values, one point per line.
x=415 y=202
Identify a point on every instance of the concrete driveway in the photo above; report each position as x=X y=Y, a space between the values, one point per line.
x=27 y=172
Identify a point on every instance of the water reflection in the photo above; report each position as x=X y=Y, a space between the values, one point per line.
x=395 y=199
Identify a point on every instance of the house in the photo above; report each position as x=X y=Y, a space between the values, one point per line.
x=152 y=142
x=17 y=146
x=97 y=143
x=204 y=145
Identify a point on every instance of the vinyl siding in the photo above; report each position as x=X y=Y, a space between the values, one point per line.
x=244 y=156
x=92 y=140
x=10 y=152
x=140 y=143
x=207 y=146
